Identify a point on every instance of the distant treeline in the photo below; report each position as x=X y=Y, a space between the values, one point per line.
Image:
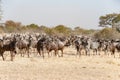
x=59 y=30
x=12 y=26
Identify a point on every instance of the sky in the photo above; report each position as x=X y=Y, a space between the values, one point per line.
x=71 y=13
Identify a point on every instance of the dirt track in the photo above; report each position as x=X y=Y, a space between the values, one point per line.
x=67 y=68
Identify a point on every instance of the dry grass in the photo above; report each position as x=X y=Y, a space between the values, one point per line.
x=69 y=67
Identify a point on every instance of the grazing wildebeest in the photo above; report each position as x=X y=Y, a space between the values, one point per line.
x=111 y=47
x=23 y=45
x=115 y=45
x=92 y=45
x=118 y=48
x=81 y=43
x=40 y=46
x=33 y=45
x=51 y=43
x=78 y=46
x=86 y=44
x=9 y=45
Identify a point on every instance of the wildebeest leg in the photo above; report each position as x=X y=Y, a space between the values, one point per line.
x=2 y=56
x=39 y=51
x=28 y=53
x=48 y=54
x=87 y=51
x=21 y=52
x=55 y=52
x=96 y=52
x=113 y=53
x=11 y=53
x=34 y=50
x=42 y=50
x=79 y=52
x=43 y=54
x=62 y=53
x=93 y=52
x=105 y=52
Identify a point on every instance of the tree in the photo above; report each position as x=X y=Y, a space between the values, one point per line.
x=12 y=26
x=116 y=19
x=33 y=26
x=63 y=29
x=107 y=33
x=107 y=20
x=10 y=23
x=78 y=30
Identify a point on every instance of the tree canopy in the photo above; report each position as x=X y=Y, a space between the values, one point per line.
x=108 y=20
x=116 y=19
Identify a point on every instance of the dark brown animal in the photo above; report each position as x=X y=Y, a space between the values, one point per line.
x=9 y=46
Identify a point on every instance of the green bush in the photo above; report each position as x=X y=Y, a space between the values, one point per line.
x=107 y=33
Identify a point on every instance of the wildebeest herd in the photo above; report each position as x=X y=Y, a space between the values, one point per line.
x=17 y=43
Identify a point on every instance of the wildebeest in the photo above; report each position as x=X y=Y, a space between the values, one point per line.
x=56 y=44
x=40 y=46
x=8 y=45
x=118 y=48
x=47 y=44
x=23 y=44
x=78 y=46
x=81 y=43
x=51 y=43
x=33 y=44
x=87 y=44
x=1 y=49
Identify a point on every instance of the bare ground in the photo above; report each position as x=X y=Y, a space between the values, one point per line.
x=68 y=67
